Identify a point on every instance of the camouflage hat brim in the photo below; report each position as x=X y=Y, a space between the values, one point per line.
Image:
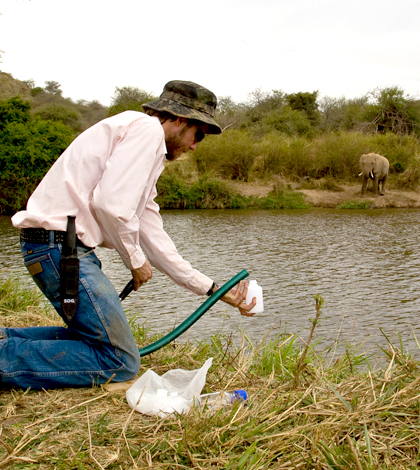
x=182 y=110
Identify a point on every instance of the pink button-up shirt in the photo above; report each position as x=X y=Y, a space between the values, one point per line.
x=107 y=179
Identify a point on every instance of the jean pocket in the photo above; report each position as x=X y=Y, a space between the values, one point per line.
x=45 y=274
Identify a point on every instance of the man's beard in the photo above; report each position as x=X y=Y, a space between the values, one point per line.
x=175 y=147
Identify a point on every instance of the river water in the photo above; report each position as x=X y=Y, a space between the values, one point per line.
x=365 y=264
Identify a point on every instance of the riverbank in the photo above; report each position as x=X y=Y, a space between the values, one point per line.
x=305 y=409
x=347 y=193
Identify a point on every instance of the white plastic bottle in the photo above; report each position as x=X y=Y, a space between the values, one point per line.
x=254 y=290
x=222 y=399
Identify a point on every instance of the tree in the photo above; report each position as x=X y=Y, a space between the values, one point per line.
x=307 y=103
x=393 y=111
x=128 y=98
x=261 y=103
x=53 y=87
x=228 y=113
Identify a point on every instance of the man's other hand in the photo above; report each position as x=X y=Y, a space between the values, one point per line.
x=142 y=275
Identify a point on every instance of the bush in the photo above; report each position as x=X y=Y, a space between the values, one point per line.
x=28 y=148
x=287 y=156
x=206 y=193
x=231 y=155
x=400 y=150
x=65 y=113
x=288 y=121
x=211 y=193
x=410 y=179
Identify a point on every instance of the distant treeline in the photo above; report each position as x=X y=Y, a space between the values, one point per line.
x=273 y=136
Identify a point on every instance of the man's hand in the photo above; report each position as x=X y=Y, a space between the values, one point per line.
x=142 y=275
x=236 y=298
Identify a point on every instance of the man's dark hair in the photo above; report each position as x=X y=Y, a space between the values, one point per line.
x=165 y=116
x=162 y=115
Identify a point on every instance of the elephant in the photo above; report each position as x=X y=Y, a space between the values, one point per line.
x=375 y=167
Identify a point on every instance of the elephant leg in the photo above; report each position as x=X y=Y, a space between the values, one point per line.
x=376 y=185
x=364 y=185
x=384 y=179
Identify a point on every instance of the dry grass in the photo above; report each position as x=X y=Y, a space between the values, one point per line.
x=340 y=414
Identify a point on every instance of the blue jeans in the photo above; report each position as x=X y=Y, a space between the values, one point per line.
x=97 y=344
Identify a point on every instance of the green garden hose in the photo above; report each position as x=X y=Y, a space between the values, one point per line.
x=188 y=322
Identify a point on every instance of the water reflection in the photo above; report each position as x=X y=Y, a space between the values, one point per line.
x=364 y=263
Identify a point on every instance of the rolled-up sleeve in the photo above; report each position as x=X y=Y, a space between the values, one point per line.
x=163 y=255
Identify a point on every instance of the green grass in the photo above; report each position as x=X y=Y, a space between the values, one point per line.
x=209 y=192
x=307 y=409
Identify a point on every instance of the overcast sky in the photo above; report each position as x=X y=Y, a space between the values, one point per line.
x=232 y=47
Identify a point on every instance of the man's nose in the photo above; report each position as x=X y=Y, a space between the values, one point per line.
x=193 y=146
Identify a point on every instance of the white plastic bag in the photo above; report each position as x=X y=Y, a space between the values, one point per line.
x=181 y=385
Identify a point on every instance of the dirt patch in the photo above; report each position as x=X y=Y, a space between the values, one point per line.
x=392 y=197
x=331 y=199
x=251 y=189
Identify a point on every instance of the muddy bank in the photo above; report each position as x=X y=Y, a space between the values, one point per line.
x=394 y=198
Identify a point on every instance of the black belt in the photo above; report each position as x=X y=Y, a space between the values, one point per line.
x=42 y=236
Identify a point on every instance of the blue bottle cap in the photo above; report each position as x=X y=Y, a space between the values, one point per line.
x=240 y=395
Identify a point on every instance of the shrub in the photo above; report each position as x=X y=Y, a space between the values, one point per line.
x=65 y=113
x=410 y=179
x=28 y=148
x=288 y=121
x=205 y=193
x=355 y=205
x=400 y=150
x=230 y=155
x=287 y=156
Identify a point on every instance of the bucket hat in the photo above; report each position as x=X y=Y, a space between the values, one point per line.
x=188 y=100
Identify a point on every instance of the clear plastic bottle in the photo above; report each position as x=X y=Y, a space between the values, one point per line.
x=254 y=290
x=222 y=399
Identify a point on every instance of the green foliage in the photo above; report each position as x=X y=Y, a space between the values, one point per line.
x=67 y=114
x=410 y=179
x=15 y=297
x=287 y=121
x=260 y=103
x=230 y=155
x=282 y=155
x=307 y=103
x=400 y=150
x=128 y=98
x=28 y=148
x=393 y=111
x=53 y=87
x=341 y=114
x=205 y=193
x=211 y=193
x=13 y=110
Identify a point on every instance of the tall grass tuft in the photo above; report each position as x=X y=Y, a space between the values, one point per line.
x=22 y=304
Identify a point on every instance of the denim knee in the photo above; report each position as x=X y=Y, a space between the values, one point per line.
x=131 y=367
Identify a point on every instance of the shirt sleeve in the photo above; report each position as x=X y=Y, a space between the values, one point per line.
x=122 y=186
x=163 y=255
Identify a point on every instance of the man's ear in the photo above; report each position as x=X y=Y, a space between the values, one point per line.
x=180 y=121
